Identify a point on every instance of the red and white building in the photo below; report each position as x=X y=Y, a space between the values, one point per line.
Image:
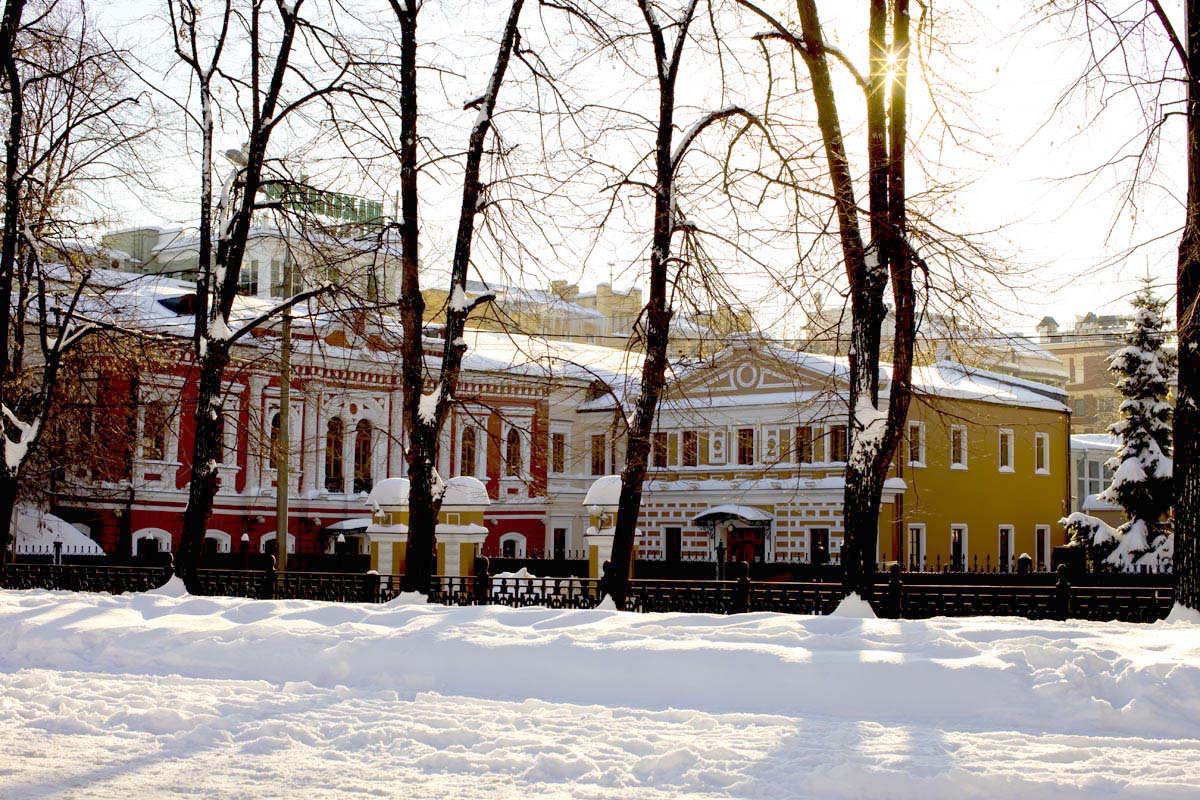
x=514 y=427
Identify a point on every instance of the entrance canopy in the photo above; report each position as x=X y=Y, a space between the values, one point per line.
x=347 y=525
x=730 y=511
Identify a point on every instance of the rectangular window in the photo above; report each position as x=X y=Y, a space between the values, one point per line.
x=154 y=430
x=558 y=452
x=598 y=455
x=837 y=443
x=248 y=278
x=1006 y=450
x=691 y=448
x=1041 y=453
x=804 y=444
x=958 y=548
x=818 y=546
x=467 y=453
x=745 y=441
x=916 y=444
x=916 y=548
x=659 y=451
x=958 y=447
x=1042 y=535
x=674 y=544
x=1005 y=554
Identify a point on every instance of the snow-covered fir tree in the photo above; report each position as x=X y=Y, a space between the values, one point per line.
x=1142 y=467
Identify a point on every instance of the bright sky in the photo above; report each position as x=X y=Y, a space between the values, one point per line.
x=1064 y=237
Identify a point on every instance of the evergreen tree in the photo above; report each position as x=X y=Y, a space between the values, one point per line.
x=1142 y=466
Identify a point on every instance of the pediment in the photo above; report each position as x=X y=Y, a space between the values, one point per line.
x=744 y=372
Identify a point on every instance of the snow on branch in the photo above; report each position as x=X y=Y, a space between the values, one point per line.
x=708 y=119
x=17 y=449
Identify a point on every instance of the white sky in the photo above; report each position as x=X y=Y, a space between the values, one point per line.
x=1061 y=234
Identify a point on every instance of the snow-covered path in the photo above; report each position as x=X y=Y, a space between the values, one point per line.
x=149 y=696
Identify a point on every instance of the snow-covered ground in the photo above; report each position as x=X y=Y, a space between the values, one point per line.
x=150 y=696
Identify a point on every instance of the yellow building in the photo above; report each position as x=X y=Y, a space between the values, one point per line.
x=460 y=530
x=750 y=451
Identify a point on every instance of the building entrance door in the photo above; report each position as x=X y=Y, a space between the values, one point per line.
x=747 y=544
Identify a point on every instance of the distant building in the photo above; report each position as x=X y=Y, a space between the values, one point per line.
x=1084 y=349
x=277 y=262
x=941 y=337
x=604 y=316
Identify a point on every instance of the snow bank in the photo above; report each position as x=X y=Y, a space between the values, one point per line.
x=994 y=673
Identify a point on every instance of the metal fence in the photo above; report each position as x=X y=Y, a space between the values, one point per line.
x=898 y=595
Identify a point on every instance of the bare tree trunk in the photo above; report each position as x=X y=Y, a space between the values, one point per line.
x=867 y=468
x=207 y=452
x=1187 y=403
x=873 y=433
x=657 y=314
x=422 y=517
x=426 y=419
x=219 y=272
x=11 y=23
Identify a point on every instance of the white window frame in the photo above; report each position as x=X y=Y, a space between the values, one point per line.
x=920 y=426
x=270 y=537
x=1012 y=545
x=959 y=465
x=554 y=431
x=224 y=540
x=518 y=539
x=163 y=537
x=1001 y=450
x=966 y=544
x=920 y=560
x=1038 y=559
x=1041 y=442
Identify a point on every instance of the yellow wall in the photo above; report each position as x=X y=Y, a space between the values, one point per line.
x=982 y=497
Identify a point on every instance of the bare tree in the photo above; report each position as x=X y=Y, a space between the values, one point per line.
x=677 y=266
x=70 y=120
x=277 y=91
x=425 y=413
x=1137 y=49
x=873 y=261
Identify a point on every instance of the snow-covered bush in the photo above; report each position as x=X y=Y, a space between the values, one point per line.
x=1098 y=539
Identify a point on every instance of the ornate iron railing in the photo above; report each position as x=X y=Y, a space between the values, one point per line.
x=910 y=596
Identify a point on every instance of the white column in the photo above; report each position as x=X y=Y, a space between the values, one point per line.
x=310 y=480
x=395 y=461
x=259 y=434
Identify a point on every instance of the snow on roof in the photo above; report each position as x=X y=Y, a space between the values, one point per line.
x=542 y=357
x=37 y=531
x=519 y=295
x=389 y=492
x=604 y=491
x=953 y=380
x=465 y=491
x=726 y=510
x=1094 y=443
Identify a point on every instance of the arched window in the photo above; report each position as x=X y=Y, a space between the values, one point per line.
x=362 y=456
x=466 y=464
x=512 y=454
x=335 y=474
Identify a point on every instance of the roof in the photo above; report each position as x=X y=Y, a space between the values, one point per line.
x=953 y=380
x=389 y=492
x=465 y=491
x=604 y=491
x=37 y=531
x=1094 y=443
x=728 y=510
